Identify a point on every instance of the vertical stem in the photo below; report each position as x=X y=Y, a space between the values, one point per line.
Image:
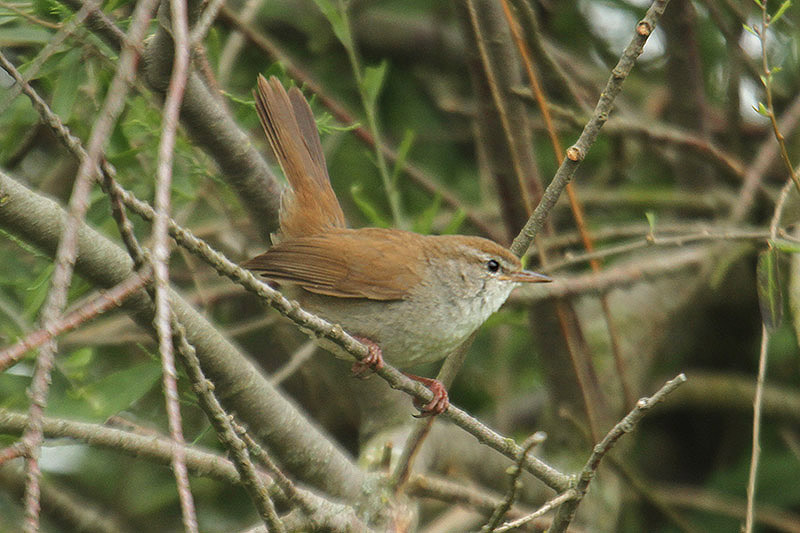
x=372 y=123
x=161 y=253
x=757 y=400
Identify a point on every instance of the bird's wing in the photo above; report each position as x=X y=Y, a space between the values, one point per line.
x=371 y=263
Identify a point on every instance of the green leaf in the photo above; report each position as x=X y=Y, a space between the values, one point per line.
x=112 y=5
x=373 y=82
x=761 y=110
x=402 y=154
x=327 y=124
x=337 y=21
x=78 y=364
x=424 y=223
x=67 y=83
x=37 y=293
x=770 y=299
x=789 y=247
x=781 y=10
x=749 y=29
x=730 y=257
x=651 y=221
x=23 y=36
x=455 y=223
x=366 y=208
x=107 y=396
x=12 y=390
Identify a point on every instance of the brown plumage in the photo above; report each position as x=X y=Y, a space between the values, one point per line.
x=310 y=205
x=410 y=298
x=340 y=262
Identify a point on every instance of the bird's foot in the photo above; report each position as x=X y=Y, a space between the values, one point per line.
x=440 y=401
x=371 y=363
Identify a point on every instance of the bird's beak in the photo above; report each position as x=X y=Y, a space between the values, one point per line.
x=526 y=276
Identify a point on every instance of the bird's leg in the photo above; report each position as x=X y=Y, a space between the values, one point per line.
x=374 y=361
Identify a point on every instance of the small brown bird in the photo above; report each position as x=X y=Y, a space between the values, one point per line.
x=411 y=298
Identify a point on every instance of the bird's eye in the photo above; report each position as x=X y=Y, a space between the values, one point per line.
x=492 y=265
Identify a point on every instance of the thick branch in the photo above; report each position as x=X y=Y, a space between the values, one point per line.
x=303 y=449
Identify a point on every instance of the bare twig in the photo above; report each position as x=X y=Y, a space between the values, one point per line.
x=39 y=220
x=574 y=202
x=766 y=80
x=419 y=176
x=756 y=451
x=98 y=304
x=765 y=156
x=307 y=321
x=566 y=512
x=205 y=21
x=661 y=265
x=52 y=46
x=296 y=361
x=577 y=152
x=158 y=449
x=499 y=102
x=651 y=240
x=185 y=349
x=67 y=249
x=567 y=495
x=447 y=374
x=160 y=256
x=780 y=204
x=68 y=508
x=514 y=485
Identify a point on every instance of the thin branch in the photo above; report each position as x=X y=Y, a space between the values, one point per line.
x=233 y=46
x=52 y=46
x=575 y=205
x=661 y=265
x=779 y=207
x=27 y=16
x=69 y=510
x=566 y=512
x=307 y=321
x=39 y=220
x=703 y=499
x=756 y=450
x=296 y=361
x=91 y=308
x=208 y=124
x=765 y=156
x=514 y=485
x=202 y=463
x=566 y=496
x=651 y=240
x=203 y=24
x=766 y=80
x=417 y=175
x=67 y=248
x=158 y=449
x=203 y=387
x=493 y=84
x=577 y=152
x=455 y=492
x=447 y=374
x=161 y=252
